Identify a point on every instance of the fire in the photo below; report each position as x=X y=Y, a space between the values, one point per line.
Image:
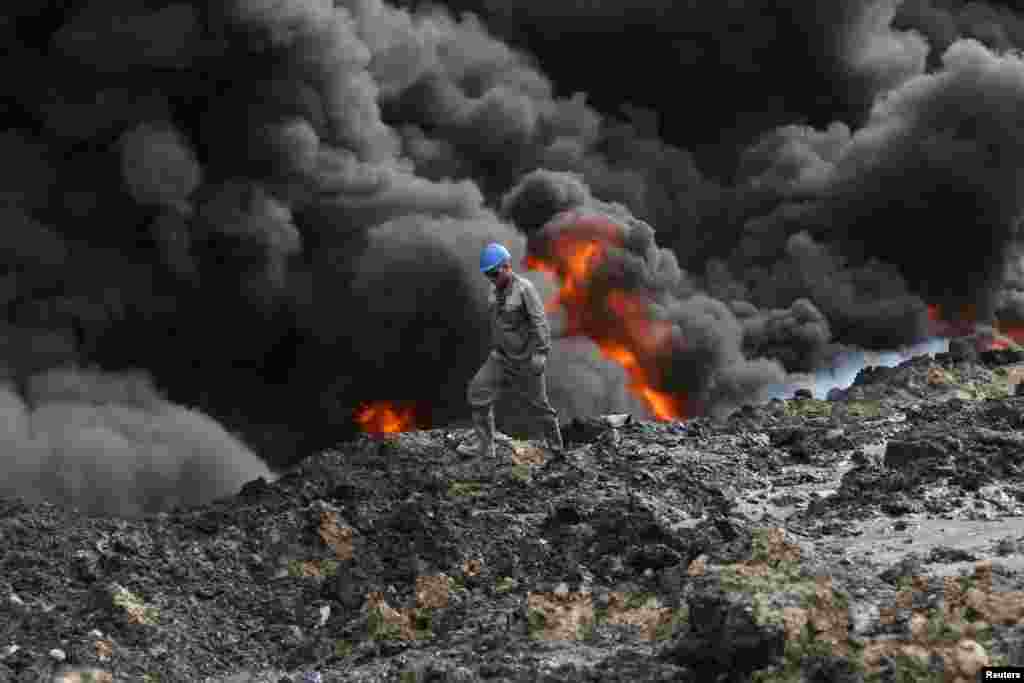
x=384 y=417
x=637 y=341
x=1014 y=331
x=663 y=405
x=946 y=323
x=576 y=259
x=999 y=344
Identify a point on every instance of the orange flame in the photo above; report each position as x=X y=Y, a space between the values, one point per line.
x=999 y=344
x=1014 y=331
x=384 y=417
x=575 y=260
x=638 y=341
x=663 y=405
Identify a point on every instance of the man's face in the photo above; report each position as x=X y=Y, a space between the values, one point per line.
x=500 y=275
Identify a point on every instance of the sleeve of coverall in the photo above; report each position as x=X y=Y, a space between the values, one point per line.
x=538 y=319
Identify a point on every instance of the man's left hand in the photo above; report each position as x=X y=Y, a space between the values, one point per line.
x=538 y=362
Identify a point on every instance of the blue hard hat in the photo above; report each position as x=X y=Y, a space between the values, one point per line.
x=493 y=256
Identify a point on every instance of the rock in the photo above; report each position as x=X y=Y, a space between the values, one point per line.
x=622 y=522
x=313 y=615
x=653 y=556
x=968 y=658
x=1001 y=356
x=458 y=674
x=349 y=586
x=583 y=430
x=1007 y=412
x=86 y=565
x=564 y=514
x=1013 y=637
x=336 y=534
x=831 y=669
x=945 y=554
x=901 y=505
x=749 y=411
x=963 y=349
x=803 y=394
x=864 y=617
x=910 y=566
x=723 y=637
x=837 y=440
x=623 y=419
x=610 y=566
x=996 y=495
x=767 y=459
x=255 y=489
x=33 y=674
x=132 y=616
x=994 y=437
x=673 y=578
x=788 y=437
x=861 y=459
x=917 y=452
x=1007 y=546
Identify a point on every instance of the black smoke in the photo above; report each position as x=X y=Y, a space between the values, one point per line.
x=773 y=63
x=691 y=343
x=272 y=211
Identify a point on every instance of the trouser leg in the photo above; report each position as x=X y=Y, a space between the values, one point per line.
x=483 y=390
x=533 y=388
x=486 y=386
x=483 y=427
x=553 y=434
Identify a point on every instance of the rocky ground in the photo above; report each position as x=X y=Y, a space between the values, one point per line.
x=877 y=535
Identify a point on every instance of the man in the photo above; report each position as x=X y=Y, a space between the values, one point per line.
x=520 y=341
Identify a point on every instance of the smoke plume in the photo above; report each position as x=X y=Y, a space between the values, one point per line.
x=110 y=445
x=274 y=211
x=635 y=298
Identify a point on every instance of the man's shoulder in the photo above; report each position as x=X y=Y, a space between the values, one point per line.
x=520 y=282
x=525 y=292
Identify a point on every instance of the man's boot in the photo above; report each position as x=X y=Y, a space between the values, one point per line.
x=553 y=436
x=482 y=441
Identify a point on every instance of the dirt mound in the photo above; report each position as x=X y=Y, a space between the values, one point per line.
x=650 y=551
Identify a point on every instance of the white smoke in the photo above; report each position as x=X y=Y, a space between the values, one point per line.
x=843 y=370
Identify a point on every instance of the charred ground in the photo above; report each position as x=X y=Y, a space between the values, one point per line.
x=794 y=539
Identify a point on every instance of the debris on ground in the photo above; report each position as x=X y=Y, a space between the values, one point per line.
x=795 y=540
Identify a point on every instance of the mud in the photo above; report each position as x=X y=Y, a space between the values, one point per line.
x=878 y=535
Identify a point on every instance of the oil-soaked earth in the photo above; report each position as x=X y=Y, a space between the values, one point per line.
x=878 y=535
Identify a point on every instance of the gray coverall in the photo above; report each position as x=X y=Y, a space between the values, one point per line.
x=519 y=329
